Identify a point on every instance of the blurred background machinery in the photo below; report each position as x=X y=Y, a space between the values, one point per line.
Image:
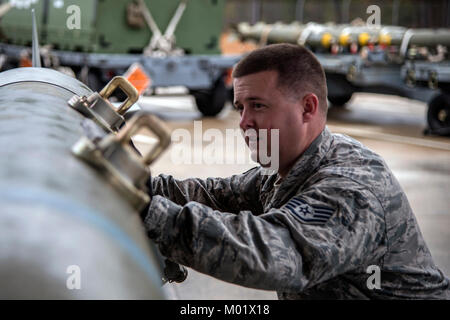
x=175 y=42
x=359 y=56
x=187 y=43
x=412 y=63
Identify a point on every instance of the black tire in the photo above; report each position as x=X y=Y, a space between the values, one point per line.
x=438 y=115
x=8 y=66
x=231 y=95
x=340 y=90
x=339 y=101
x=211 y=102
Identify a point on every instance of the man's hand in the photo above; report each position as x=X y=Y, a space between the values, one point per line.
x=174 y=272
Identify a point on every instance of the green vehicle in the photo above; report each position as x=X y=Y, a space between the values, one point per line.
x=176 y=42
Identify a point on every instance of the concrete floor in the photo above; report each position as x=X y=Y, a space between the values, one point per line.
x=389 y=125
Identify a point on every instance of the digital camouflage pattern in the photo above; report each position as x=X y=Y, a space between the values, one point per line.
x=312 y=236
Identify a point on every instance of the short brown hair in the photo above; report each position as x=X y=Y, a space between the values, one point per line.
x=298 y=69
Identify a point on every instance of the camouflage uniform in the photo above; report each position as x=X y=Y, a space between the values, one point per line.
x=338 y=211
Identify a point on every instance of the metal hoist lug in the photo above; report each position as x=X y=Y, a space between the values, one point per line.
x=98 y=108
x=410 y=78
x=115 y=158
x=433 y=82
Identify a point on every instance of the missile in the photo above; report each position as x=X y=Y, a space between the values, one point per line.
x=271 y=33
x=67 y=231
x=391 y=35
x=311 y=34
x=349 y=37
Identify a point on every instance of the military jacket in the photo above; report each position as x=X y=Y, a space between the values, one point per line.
x=322 y=232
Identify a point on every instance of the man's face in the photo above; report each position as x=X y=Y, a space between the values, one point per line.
x=263 y=105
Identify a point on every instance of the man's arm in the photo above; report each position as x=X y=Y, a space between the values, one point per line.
x=284 y=249
x=233 y=194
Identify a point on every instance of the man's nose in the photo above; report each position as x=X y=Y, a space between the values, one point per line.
x=247 y=120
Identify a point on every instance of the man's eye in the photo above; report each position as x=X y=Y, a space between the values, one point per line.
x=238 y=108
x=258 y=106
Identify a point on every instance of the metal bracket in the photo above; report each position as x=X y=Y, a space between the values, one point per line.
x=352 y=73
x=433 y=82
x=97 y=107
x=405 y=43
x=410 y=79
x=162 y=44
x=125 y=169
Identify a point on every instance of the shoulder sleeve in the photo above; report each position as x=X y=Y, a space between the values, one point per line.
x=284 y=249
x=235 y=193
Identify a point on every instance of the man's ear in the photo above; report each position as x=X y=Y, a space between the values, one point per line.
x=310 y=106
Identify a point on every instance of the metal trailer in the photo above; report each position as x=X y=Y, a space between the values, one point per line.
x=114 y=34
x=420 y=80
x=203 y=75
x=412 y=63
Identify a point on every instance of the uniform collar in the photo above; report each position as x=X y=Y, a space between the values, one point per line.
x=304 y=167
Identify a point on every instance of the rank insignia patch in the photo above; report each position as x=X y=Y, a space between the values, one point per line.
x=306 y=213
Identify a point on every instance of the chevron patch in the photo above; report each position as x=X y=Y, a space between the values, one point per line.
x=306 y=213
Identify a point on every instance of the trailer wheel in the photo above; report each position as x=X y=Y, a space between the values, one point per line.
x=211 y=102
x=340 y=100
x=438 y=114
x=340 y=90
